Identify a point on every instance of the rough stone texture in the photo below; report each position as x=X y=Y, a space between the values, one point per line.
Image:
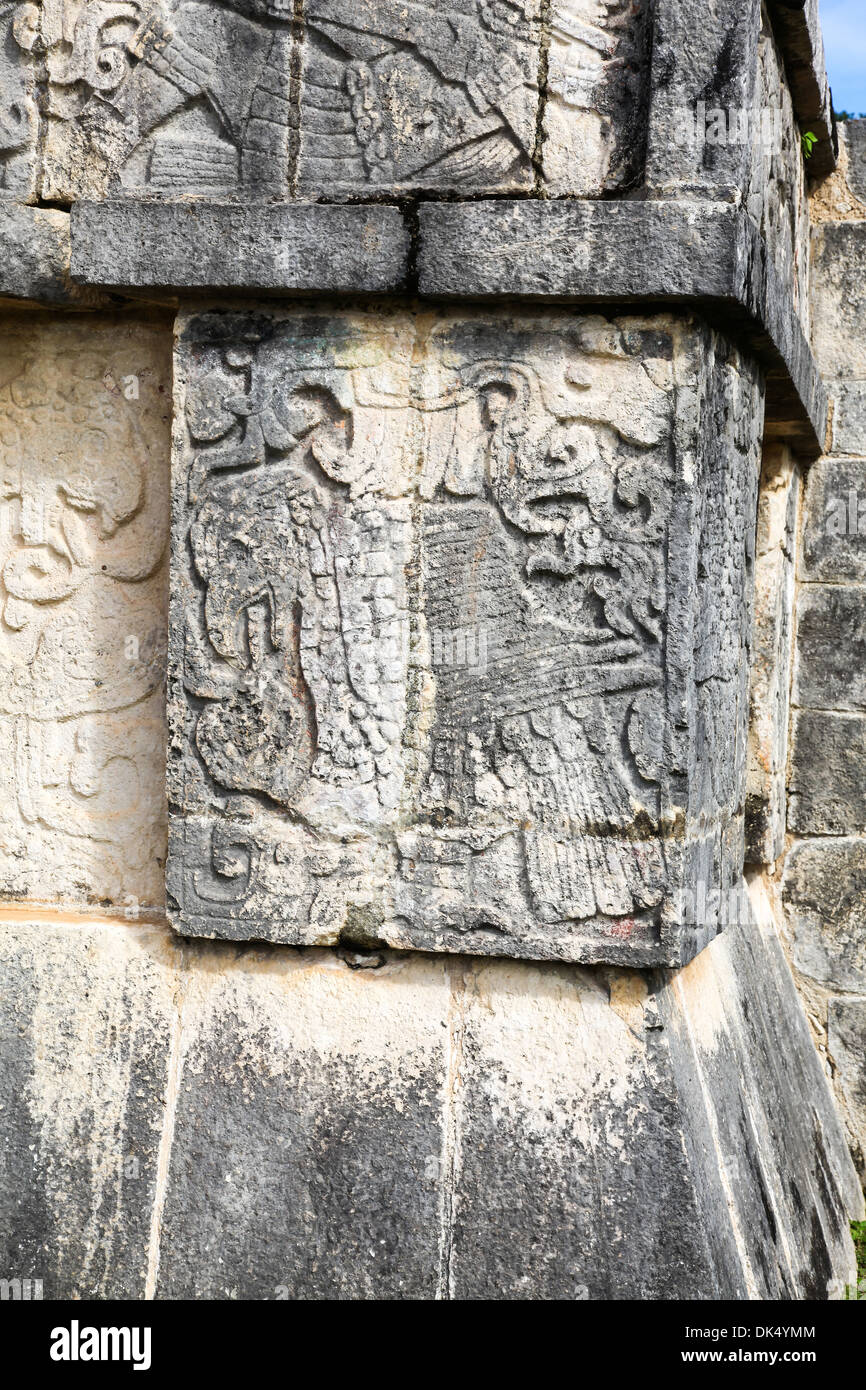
x=855 y=136
x=839 y=308
x=398 y=95
x=85 y=1025
x=629 y=251
x=460 y=624
x=771 y=656
x=210 y=245
x=180 y=96
x=833 y=547
x=824 y=894
x=279 y=1125
x=826 y=792
x=742 y=1053
x=84 y=433
x=847 y=1046
x=830 y=664
x=307 y=1157
x=797 y=27
x=594 y=124
x=19 y=113
x=34 y=257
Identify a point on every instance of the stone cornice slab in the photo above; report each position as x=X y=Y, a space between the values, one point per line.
x=273 y=247
x=709 y=257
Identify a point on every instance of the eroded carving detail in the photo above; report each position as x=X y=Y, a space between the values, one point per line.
x=82 y=552
x=420 y=665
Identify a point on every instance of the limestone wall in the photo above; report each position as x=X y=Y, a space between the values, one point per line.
x=378 y=757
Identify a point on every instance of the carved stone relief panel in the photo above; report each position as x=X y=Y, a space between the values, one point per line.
x=19 y=112
x=167 y=99
x=597 y=96
x=234 y=99
x=84 y=437
x=459 y=627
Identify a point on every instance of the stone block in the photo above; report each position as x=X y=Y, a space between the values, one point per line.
x=826 y=793
x=86 y=1020
x=307 y=1156
x=84 y=434
x=771 y=656
x=629 y=251
x=278 y=247
x=460 y=629
x=855 y=138
x=830 y=663
x=824 y=896
x=849 y=417
x=839 y=299
x=846 y=1043
x=833 y=545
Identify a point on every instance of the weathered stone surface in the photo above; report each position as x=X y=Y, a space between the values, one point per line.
x=797 y=27
x=771 y=656
x=34 y=257
x=833 y=545
x=397 y=95
x=776 y=1177
x=307 y=1157
x=572 y=1178
x=177 y=97
x=19 y=113
x=849 y=417
x=596 y=96
x=855 y=137
x=826 y=792
x=84 y=437
x=86 y=1022
x=839 y=299
x=210 y=245
x=847 y=1045
x=632 y=251
x=463 y=704
x=824 y=894
x=493 y=1130
x=830 y=664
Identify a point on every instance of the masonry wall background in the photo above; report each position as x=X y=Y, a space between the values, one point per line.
x=232 y=1119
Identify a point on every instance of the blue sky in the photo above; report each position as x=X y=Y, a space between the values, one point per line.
x=844 y=24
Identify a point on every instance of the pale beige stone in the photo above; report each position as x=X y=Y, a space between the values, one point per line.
x=84 y=439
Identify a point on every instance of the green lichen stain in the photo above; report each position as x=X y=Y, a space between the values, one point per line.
x=858 y=1231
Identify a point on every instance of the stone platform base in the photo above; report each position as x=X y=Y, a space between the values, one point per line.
x=207 y=1121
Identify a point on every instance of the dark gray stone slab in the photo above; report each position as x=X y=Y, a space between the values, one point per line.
x=824 y=895
x=826 y=791
x=406 y=690
x=86 y=1022
x=709 y=55
x=834 y=522
x=709 y=255
x=714 y=1179
x=280 y=247
x=830 y=662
